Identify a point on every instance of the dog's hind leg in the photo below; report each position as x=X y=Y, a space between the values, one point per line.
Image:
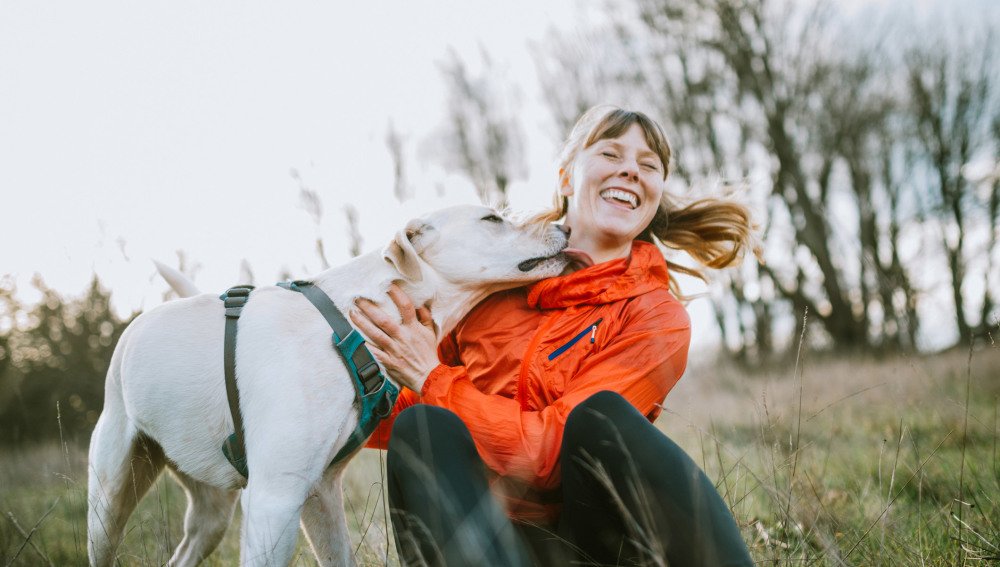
x=209 y=512
x=123 y=465
x=324 y=522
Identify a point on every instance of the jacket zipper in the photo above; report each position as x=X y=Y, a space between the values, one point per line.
x=592 y=329
x=529 y=356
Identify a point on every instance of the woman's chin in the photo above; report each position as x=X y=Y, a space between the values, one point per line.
x=620 y=234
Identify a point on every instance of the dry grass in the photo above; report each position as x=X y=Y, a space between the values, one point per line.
x=44 y=490
x=850 y=461
x=854 y=461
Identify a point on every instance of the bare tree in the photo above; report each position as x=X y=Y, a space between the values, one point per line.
x=989 y=316
x=577 y=71
x=954 y=89
x=790 y=99
x=482 y=138
x=749 y=78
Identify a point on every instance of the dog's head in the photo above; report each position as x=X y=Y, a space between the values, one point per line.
x=476 y=246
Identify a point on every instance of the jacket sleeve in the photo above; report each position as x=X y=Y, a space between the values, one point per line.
x=642 y=363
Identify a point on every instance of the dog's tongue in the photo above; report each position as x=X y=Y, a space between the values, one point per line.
x=579 y=257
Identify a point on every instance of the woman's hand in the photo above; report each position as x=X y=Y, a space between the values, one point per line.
x=407 y=348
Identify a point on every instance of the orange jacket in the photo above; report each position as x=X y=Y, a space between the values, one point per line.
x=516 y=366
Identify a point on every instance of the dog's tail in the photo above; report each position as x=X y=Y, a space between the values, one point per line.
x=178 y=281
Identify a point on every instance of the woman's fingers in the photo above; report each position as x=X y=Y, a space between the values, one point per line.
x=371 y=321
x=378 y=353
x=407 y=349
x=403 y=303
x=377 y=316
x=425 y=318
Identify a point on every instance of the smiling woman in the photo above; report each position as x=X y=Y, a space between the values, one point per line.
x=545 y=394
x=617 y=184
x=631 y=170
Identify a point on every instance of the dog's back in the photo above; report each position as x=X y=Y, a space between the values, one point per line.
x=170 y=374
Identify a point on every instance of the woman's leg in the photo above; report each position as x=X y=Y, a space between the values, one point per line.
x=632 y=494
x=441 y=507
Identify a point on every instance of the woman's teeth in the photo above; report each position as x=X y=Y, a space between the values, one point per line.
x=621 y=196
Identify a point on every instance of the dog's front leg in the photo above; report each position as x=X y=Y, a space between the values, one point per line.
x=324 y=521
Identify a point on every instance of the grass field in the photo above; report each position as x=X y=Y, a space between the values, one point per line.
x=829 y=461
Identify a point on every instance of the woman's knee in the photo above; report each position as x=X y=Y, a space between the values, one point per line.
x=605 y=424
x=428 y=437
x=424 y=425
x=604 y=402
x=596 y=413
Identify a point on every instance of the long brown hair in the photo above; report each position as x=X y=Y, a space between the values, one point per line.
x=716 y=232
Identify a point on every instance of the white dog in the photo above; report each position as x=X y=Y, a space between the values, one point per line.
x=165 y=398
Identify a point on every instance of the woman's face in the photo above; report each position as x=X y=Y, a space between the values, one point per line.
x=614 y=187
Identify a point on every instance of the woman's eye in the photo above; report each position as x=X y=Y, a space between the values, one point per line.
x=650 y=166
x=492 y=218
x=611 y=155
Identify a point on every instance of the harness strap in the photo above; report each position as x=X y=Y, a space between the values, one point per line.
x=375 y=396
x=361 y=358
x=234 y=447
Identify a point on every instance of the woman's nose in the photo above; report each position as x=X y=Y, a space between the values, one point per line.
x=630 y=171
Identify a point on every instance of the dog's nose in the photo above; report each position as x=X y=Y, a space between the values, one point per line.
x=564 y=229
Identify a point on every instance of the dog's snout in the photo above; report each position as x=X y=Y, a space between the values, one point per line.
x=564 y=229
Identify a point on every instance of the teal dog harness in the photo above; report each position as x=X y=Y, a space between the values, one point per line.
x=374 y=395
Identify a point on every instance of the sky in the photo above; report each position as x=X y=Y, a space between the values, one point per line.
x=129 y=132
x=176 y=125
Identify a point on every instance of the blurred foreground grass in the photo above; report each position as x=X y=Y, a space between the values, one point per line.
x=45 y=489
x=846 y=461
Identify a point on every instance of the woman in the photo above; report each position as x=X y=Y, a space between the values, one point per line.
x=544 y=395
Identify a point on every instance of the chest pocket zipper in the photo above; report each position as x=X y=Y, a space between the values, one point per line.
x=591 y=330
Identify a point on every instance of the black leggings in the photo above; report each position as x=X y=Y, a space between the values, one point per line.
x=630 y=496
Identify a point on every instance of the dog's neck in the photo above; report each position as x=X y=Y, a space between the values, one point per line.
x=369 y=276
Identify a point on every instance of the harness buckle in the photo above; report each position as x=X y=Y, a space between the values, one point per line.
x=235 y=298
x=367 y=372
x=386 y=402
x=238 y=291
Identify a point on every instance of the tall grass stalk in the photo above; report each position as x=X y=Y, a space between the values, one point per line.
x=797 y=373
x=961 y=469
x=27 y=536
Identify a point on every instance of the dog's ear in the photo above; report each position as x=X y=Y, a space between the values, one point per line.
x=403 y=253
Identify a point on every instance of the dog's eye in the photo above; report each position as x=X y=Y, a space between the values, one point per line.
x=492 y=218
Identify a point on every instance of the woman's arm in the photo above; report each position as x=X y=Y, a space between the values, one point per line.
x=415 y=335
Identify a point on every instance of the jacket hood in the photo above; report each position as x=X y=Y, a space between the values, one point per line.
x=644 y=270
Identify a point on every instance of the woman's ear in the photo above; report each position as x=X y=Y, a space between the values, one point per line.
x=565 y=186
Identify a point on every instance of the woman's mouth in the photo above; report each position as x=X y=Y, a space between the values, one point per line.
x=620 y=197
